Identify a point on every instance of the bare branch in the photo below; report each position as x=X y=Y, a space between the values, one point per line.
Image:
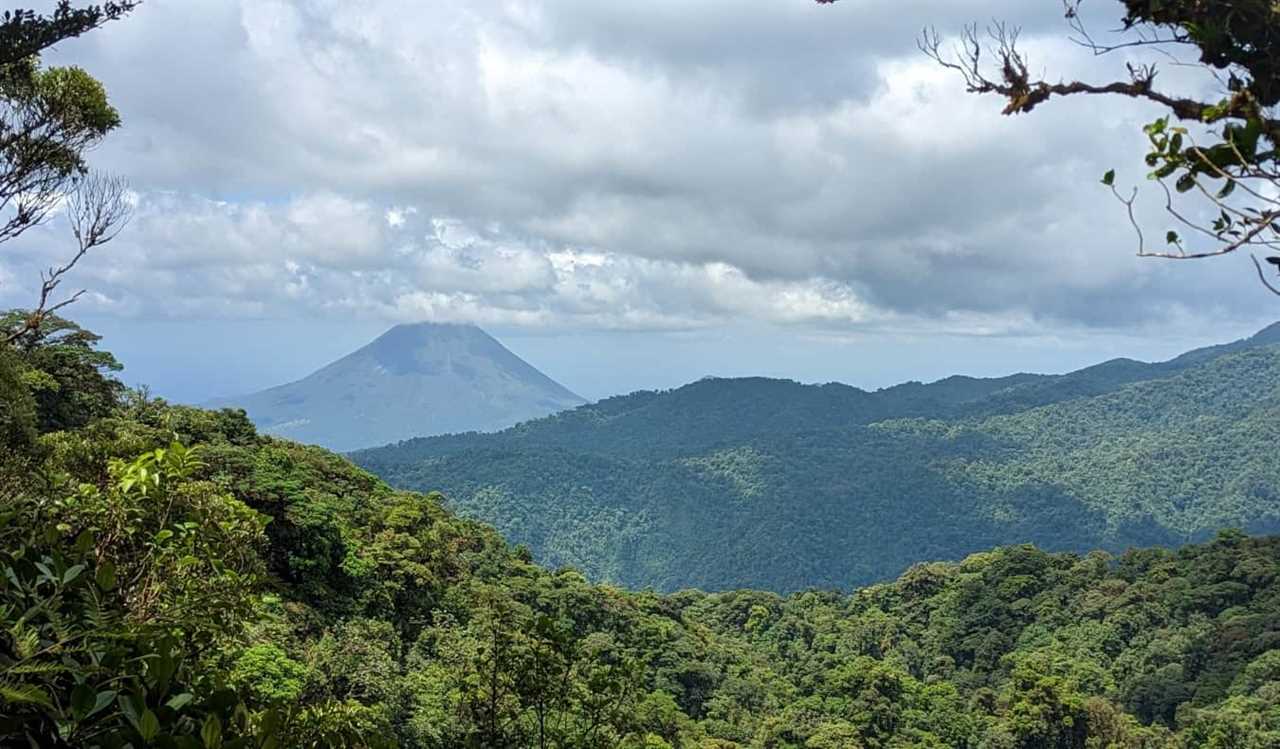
x=1146 y=38
x=1133 y=221
x=1262 y=277
x=1023 y=93
x=1246 y=152
x=97 y=209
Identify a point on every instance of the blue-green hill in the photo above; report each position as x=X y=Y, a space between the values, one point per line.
x=773 y=484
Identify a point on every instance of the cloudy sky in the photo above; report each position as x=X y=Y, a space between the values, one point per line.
x=630 y=194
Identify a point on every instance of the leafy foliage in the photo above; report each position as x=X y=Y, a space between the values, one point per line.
x=170 y=578
x=104 y=613
x=50 y=117
x=25 y=32
x=69 y=378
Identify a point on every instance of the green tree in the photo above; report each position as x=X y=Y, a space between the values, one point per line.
x=25 y=33
x=17 y=414
x=49 y=119
x=107 y=606
x=68 y=377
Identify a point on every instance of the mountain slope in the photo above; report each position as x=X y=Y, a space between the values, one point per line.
x=186 y=581
x=413 y=380
x=759 y=483
x=363 y=617
x=715 y=411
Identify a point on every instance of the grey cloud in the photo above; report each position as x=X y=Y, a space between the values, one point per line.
x=702 y=161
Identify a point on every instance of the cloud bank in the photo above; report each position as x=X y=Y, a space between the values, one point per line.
x=657 y=165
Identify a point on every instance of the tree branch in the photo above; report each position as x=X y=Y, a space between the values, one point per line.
x=98 y=209
x=1024 y=94
x=25 y=33
x=1262 y=277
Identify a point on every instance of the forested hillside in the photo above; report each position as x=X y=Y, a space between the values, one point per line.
x=171 y=578
x=772 y=484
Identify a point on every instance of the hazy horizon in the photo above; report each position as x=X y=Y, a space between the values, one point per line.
x=631 y=197
x=238 y=357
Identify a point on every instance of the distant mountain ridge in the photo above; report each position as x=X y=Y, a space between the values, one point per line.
x=714 y=410
x=769 y=483
x=413 y=380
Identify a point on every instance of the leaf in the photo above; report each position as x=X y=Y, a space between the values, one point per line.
x=72 y=573
x=1215 y=112
x=148 y=725
x=105 y=576
x=1171 y=237
x=25 y=694
x=83 y=698
x=163 y=536
x=161 y=670
x=1109 y=178
x=1227 y=189
x=269 y=723
x=84 y=542
x=1186 y=183
x=129 y=706
x=177 y=702
x=104 y=699
x=26 y=641
x=211 y=732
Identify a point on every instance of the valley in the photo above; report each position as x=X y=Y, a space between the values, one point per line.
x=771 y=484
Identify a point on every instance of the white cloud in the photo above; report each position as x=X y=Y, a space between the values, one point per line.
x=397 y=215
x=322 y=254
x=613 y=165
